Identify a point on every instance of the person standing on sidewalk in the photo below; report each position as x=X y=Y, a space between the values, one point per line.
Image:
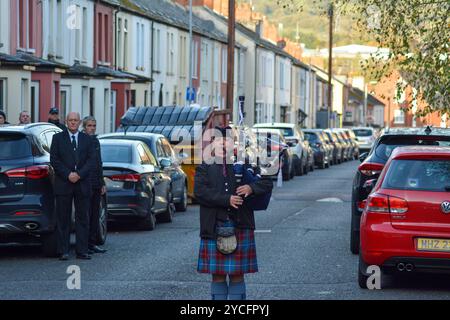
x=98 y=187
x=53 y=118
x=223 y=212
x=72 y=158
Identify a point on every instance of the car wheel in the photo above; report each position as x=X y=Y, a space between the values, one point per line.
x=50 y=244
x=362 y=277
x=167 y=216
x=299 y=168
x=148 y=223
x=354 y=232
x=182 y=206
x=102 y=223
x=285 y=169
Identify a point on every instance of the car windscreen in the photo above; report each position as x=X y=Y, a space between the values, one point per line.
x=426 y=175
x=313 y=137
x=119 y=154
x=14 y=146
x=286 y=132
x=363 y=132
x=386 y=146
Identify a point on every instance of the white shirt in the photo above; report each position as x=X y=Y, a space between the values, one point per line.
x=73 y=134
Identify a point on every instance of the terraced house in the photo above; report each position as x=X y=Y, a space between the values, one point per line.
x=101 y=57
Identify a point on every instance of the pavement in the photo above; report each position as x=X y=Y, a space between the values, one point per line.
x=302 y=244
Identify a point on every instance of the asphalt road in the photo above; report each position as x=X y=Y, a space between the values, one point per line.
x=302 y=245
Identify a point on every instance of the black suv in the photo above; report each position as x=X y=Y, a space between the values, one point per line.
x=373 y=163
x=27 y=205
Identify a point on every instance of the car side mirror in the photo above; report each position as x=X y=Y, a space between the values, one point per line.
x=165 y=163
x=182 y=156
x=363 y=156
x=369 y=184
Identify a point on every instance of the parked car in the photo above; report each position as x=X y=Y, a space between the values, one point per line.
x=27 y=204
x=347 y=144
x=365 y=136
x=405 y=223
x=137 y=187
x=162 y=151
x=331 y=146
x=322 y=152
x=296 y=142
x=338 y=152
x=274 y=142
x=373 y=163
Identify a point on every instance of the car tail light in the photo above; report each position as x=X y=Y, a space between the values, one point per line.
x=126 y=177
x=398 y=205
x=362 y=205
x=370 y=169
x=25 y=213
x=32 y=172
x=386 y=204
x=275 y=147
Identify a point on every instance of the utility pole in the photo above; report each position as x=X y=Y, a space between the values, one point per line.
x=330 y=64
x=230 y=66
x=191 y=57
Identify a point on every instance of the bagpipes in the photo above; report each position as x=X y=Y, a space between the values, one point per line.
x=247 y=175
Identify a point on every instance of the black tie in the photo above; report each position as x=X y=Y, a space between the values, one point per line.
x=74 y=143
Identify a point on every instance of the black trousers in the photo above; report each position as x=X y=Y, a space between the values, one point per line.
x=64 y=211
x=94 y=215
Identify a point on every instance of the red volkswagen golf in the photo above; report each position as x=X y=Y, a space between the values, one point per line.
x=405 y=226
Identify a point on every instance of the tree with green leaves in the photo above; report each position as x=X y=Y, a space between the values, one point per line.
x=417 y=34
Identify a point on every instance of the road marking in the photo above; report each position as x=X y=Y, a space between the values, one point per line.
x=263 y=231
x=335 y=200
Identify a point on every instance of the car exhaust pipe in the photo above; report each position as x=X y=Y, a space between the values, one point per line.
x=409 y=267
x=31 y=226
x=401 y=267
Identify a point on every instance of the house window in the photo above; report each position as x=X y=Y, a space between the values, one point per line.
x=125 y=45
x=3 y=94
x=216 y=64
x=182 y=51
x=170 y=53
x=78 y=40
x=92 y=102
x=24 y=95
x=100 y=36
x=119 y=42
x=133 y=98
x=224 y=64
x=399 y=117
x=205 y=62
x=106 y=40
x=283 y=114
x=84 y=35
x=241 y=68
x=25 y=24
x=282 y=76
x=84 y=101
x=195 y=63
x=138 y=45
x=157 y=51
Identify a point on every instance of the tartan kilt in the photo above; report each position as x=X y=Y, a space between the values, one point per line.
x=242 y=261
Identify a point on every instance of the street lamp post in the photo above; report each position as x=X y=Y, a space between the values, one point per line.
x=330 y=64
x=230 y=66
x=191 y=57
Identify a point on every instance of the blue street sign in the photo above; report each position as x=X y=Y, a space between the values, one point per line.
x=190 y=94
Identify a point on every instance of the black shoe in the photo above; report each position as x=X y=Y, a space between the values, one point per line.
x=64 y=257
x=96 y=249
x=84 y=256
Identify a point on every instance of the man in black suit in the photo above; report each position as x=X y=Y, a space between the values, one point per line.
x=72 y=156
